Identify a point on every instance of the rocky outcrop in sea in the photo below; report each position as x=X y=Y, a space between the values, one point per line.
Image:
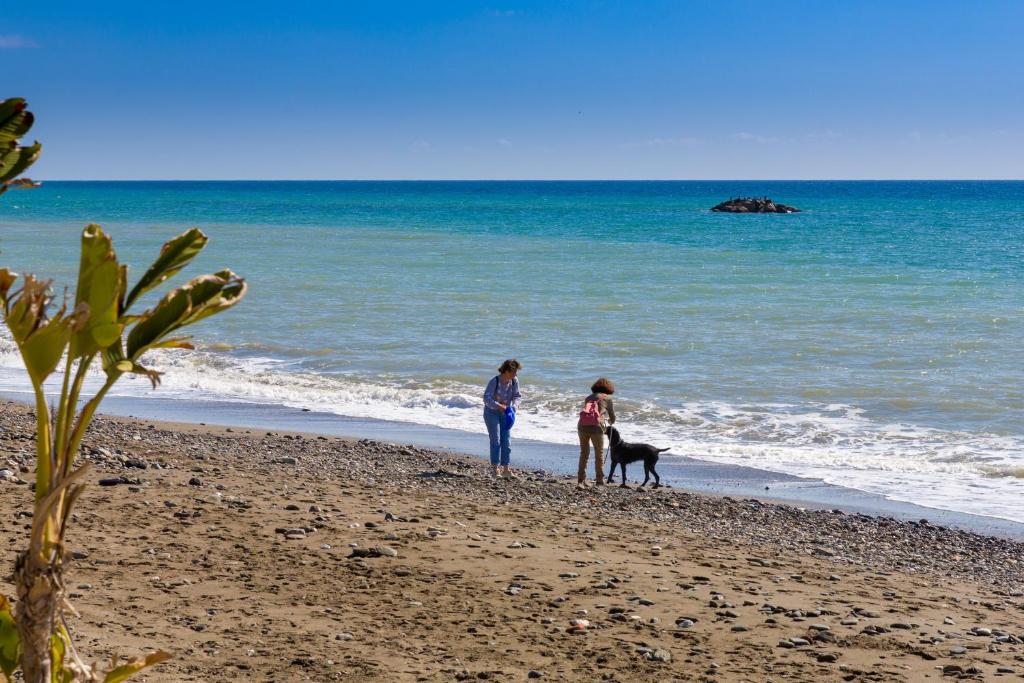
x=754 y=205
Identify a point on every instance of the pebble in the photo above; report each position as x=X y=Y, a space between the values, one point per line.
x=579 y=625
x=114 y=481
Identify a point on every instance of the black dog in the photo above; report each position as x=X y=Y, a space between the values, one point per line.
x=624 y=453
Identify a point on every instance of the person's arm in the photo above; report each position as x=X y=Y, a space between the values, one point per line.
x=611 y=411
x=489 y=401
x=514 y=400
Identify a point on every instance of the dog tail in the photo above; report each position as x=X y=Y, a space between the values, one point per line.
x=662 y=450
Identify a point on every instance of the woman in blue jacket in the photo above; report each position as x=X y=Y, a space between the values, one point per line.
x=501 y=393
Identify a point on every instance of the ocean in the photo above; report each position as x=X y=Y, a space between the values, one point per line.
x=872 y=341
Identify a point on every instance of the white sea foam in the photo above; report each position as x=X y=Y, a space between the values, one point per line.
x=961 y=471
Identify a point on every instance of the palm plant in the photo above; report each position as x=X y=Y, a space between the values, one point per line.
x=35 y=637
x=94 y=329
x=15 y=120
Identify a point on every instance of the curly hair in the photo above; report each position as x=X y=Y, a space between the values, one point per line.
x=510 y=365
x=603 y=385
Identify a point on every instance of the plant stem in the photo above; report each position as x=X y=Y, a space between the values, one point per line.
x=44 y=455
x=60 y=431
x=85 y=417
x=67 y=455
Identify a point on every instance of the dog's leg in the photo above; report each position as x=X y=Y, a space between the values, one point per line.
x=611 y=470
x=622 y=465
x=647 y=475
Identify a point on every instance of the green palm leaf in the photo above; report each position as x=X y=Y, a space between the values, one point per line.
x=175 y=255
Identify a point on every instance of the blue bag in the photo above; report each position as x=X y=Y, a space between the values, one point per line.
x=510 y=417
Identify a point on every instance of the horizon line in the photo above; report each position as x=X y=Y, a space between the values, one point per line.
x=527 y=180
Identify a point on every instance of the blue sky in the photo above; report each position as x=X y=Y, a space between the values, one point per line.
x=684 y=89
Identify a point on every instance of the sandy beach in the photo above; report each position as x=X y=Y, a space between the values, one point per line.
x=289 y=557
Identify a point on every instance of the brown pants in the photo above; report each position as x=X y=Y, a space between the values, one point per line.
x=587 y=438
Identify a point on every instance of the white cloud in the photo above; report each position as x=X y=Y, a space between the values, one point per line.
x=503 y=142
x=671 y=142
x=15 y=43
x=682 y=141
x=751 y=137
x=827 y=134
x=420 y=145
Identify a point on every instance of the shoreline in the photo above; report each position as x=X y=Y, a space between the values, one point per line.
x=271 y=556
x=682 y=473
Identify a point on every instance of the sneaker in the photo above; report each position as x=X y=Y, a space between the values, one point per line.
x=506 y=473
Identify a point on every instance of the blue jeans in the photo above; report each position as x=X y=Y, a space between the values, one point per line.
x=498 y=434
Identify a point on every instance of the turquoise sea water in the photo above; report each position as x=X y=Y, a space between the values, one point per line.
x=873 y=341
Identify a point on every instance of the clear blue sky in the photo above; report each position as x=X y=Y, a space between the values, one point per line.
x=517 y=89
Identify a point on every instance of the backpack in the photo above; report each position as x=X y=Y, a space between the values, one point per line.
x=591 y=415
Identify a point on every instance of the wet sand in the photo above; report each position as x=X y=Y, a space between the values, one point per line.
x=291 y=557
